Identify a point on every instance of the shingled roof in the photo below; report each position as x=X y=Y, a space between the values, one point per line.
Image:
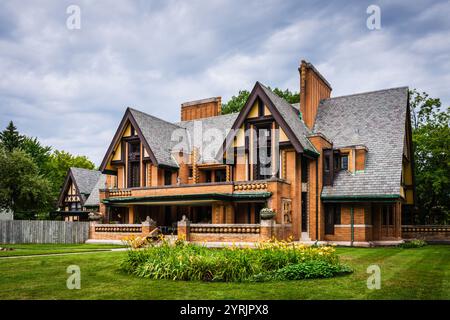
x=85 y=180
x=292 y=118
x=373 y=119
x=93 y=200
x=158 y=134
x=220 y=124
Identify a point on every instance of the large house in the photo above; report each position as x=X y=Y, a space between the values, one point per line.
x=331 y=168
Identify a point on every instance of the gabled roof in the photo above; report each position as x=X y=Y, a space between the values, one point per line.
x=284 y=114
x=84 y=181
x=154 y=133
x=376 y=120
x=158 y=135
x=220 y=123
x=292 y=118
x=93 y=200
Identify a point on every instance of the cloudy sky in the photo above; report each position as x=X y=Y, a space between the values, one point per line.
x=70 y=88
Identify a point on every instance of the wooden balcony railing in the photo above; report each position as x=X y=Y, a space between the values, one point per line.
x=114 y=193
x=426 y=229
x=122 y=228
x=225 y=228
x=250 y=186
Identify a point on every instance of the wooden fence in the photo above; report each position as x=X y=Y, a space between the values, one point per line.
x=34 y=231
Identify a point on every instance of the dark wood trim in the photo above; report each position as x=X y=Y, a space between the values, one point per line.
x=118 y=137
x=69 y=178
x=258 y=92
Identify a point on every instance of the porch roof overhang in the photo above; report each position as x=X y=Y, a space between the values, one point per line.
x=362 y=198
x=183 y=198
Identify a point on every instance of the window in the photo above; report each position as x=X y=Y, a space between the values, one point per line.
x=304 y=169
x=260 y=108
x=167 y=177
x=327 y=164
x=336 y=162
x=220 y=175
x=332 y=217
x=328 y=173
x=191 y=172
x=134 y=164
x=344 y=162
x=388 y=218
x=208 y=175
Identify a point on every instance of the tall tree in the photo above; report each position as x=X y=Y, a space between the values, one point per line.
x=22 y=189
x=431 y=143
x=10 y=137
x=60 y=163
x=40 y=154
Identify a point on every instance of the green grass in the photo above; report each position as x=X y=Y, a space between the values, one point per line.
x=419 y=273
x=38 y=249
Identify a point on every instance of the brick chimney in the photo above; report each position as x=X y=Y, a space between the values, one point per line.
x=313 y=88
x=199 y=109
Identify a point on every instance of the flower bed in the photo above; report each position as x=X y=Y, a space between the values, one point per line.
x=274 y=260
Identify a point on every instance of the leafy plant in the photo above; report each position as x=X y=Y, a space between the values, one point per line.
x=186 y=261
x=416 y=243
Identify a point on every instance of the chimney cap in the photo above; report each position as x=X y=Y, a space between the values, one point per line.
x=201 y=101
x=311 y=66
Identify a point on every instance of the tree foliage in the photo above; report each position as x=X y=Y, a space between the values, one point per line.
x=60 y=162
x=10 y=137
x=32 y=174
x=22 y=189
x=236 y=103
x=431 y=143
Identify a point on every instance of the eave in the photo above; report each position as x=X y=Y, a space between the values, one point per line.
x=362 y=198
x=186 y=197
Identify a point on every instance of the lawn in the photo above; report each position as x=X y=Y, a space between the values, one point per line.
x=39 y=249
x=422 y=273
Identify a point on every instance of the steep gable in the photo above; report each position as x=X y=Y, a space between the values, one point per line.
x=283 y=113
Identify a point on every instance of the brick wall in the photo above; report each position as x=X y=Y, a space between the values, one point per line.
x=201 y=109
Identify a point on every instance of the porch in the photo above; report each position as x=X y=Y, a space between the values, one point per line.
x=214 y=211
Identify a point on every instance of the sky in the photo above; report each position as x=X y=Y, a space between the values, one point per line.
x=70 y=87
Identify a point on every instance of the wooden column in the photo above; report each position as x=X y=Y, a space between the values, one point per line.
x=131 y=214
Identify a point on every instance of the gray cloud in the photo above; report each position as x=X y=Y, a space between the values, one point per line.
x=70 y=88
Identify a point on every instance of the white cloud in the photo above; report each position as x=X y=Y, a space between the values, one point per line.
x=70 y=88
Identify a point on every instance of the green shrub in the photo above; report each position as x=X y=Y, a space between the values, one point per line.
x=266 y=262
x=417 y=243
x=311 y=270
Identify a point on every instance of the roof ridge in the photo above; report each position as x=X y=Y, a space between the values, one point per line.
x=152 y=116
x=78 y=168
x=365 y=92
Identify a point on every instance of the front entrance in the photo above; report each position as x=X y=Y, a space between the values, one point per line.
x=386 y=221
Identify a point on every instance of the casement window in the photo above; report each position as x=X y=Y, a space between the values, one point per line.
x=344 y=162
x=260 y=108
x=328 y=172
x=387 y=216
x=332 y=217
x=220 y=175
x=304 y=169
x=167 y=177
x=134 y=164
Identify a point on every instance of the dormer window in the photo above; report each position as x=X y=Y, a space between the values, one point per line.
x=344 y=162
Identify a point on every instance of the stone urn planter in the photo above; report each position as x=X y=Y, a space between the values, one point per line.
x=267 y=214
